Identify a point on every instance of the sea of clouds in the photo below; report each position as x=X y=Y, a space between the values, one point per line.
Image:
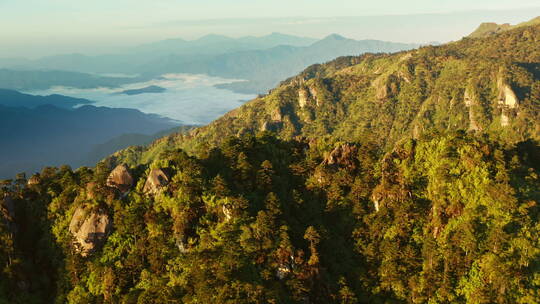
x=189 y=98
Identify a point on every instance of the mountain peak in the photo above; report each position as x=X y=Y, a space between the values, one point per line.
x=334 y=37
x=487 y=29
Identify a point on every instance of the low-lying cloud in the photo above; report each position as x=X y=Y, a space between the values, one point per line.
x=190 y=99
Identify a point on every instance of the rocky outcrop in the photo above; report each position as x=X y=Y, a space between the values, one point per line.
x=227 y=212
x=303 y=97
x=470 y=103
x=90 y=229
x=507 y=97
x=381 y=89
x=468 y=98
x=344 y=155
x=34 y=180
x=272 y=126
x=157 y=179
x=505 y=120
x=315 y=95
x=120 y=179
x=385 y=86
x=181 y=245
x=507 y=100
x=307 y=96
x=277 y=115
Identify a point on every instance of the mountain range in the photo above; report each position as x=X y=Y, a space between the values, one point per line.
x=265 y=68
x=262 y=61
x=410 y=177
x=487 y=86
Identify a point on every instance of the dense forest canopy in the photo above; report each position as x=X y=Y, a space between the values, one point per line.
x=404 y=178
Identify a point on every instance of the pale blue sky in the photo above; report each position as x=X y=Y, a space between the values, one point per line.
x=44 y=27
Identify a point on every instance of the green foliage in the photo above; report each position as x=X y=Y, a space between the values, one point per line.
x=261 y=220
x=372 y=191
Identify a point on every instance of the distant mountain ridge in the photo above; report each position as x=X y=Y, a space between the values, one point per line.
x=218 y=44
x=209 y=45
x=12 y=98
x=49 y=130
x=262 y=61
x=263 y=69
x=43 y=79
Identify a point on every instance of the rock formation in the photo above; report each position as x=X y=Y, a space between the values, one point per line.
x=277 y=115
x=381 y=89
x=120 y=179
x=90 y=229
x=271 y=126
x=470 y=102
x=507 y=101
x=227 y=212
x=507 y=97
x=313 y=92
x=344 y=155
x=34 y=180
x=385 y=86
x=157 y=179
x=303 y=96
x=505 y=120
x=306 y=96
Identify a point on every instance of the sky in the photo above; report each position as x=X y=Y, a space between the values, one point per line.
x=45 y=27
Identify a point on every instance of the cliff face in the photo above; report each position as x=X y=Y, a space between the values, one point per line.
x=487 y=85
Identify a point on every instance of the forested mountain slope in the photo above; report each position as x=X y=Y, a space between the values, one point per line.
x=451 y=218
x=405 y=178
x=486 y=86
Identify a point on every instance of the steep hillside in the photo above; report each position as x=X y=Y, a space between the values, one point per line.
x=404 y=178
x=446 y=219
x=486 y=86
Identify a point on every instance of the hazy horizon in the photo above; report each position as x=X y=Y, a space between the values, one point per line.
x=38 y=28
